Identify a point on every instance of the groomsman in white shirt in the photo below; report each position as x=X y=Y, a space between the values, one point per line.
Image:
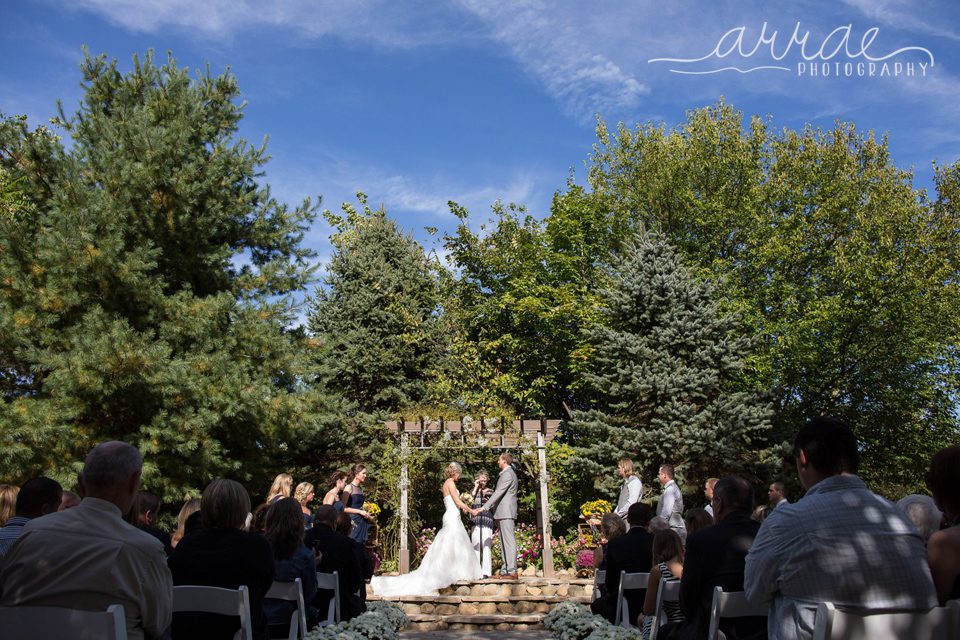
x=631 y=490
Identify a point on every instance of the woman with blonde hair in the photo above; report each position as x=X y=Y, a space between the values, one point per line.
x=448 y=559
x=8 y=502
x=304 y=496
x=281 y=488
x=189 y=507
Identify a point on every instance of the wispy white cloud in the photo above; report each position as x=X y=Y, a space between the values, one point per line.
x=385 y=23
x=904 y=15
x=565 y=54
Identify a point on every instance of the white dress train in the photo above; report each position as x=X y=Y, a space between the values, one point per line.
x=450 y=558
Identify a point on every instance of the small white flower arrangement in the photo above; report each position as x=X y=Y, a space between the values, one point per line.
x=572 y=621
x=382 y=621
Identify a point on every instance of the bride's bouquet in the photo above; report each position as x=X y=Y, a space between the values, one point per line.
x=466 y=497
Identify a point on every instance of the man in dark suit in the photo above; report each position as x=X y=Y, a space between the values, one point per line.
x=716 y=557
x=337 y=554
x=632 y=552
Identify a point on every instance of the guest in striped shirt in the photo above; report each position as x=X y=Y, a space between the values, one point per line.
x=37 y=497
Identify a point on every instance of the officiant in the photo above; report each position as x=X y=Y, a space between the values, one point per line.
x=482 y=534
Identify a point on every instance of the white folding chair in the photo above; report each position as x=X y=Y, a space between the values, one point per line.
x=599 y=578
x=939 y=623
x=666 y=592
x=731 y=604
x=228 y=602
x=29 y=623
x=293 y=592
x=628 y=581
x=330 y=581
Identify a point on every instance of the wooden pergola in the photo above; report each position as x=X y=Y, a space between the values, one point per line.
x=491 y=433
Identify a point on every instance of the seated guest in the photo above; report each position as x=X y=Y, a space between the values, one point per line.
x=715 y=558
x=659 y=523
x=304 y=495
x=258 y=520
x=943 y=549
x=88 y=557
x=630 y=552
x=37 y=497
x=667 y=565
x=149 y=508
x=8 y=502
x=69 y=500
x=345 y=527
x=923 y=513
x=840 y=543
x=611 y=526
x=189 y=507
x=698 y=518
x=222 y=554
x=336 y=554
x=292 y=560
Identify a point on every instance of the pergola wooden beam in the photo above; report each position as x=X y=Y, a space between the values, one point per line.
x=483 y=433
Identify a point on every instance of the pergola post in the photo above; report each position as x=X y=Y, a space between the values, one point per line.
x=545 y=507
x=404 y=560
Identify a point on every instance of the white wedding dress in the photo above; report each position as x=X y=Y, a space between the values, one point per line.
x=450 y=558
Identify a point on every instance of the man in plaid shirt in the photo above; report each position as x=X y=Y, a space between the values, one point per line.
x=840 y=543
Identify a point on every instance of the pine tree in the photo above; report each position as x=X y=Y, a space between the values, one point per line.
x=664 y=367
x=144 y=280
x=375 y=318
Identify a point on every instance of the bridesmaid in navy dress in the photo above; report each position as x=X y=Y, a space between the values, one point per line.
x=353 y=504
x=338 y=480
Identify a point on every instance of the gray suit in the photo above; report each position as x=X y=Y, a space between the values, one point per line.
x=503 y=502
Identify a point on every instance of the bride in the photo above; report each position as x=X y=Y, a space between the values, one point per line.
x=450 y=557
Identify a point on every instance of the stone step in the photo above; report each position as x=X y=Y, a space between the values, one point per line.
x=490 y=622
x=491 y=605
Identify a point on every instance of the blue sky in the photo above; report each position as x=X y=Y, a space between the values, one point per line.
x=418 y=103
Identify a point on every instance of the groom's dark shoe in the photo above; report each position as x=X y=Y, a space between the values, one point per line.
x=510 y=576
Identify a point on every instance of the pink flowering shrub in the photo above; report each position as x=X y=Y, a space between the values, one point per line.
x=530 y=549
x=423 y=542
x=585 y=559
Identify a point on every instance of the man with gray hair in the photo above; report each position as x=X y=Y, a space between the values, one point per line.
x=88 y=557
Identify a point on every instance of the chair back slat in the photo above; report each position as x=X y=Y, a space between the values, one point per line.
x=63 y=623
x=939 y=623
x=228 y=602
x=599 y=578
x=624 y=617
x=330 y=581
x=666 y=592
x=731 y=604
x=293 y=592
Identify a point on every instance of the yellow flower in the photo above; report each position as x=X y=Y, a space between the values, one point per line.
x=372 y=508
x=595 y=508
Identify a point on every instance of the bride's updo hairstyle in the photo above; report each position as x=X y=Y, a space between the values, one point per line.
x=453 y=469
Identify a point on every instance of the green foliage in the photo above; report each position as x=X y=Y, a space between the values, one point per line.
x=826 y=251
x=125 y=312
x=375 y=318
x=666 y=358
x=515 y=315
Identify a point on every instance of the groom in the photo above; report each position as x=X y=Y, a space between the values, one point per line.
x=503 y=502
